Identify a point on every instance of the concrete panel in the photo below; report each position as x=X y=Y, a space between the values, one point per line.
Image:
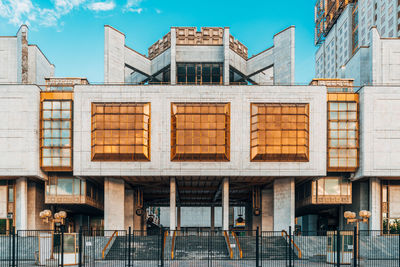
x=36 y=205
x=267 y=213
x=161 y=61
x=379 y=132
x=161 y=98
x=8 y=59
x=375 y=221
x=114 y=50
x=21 y=202
x=284 y=59
x=136 y=60
x=199 y=53
x=19 y=130
x=129 y=209
x=3 y=202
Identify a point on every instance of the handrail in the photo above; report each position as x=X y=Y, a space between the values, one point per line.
x=294 y=244
x=173 y=245
x=238 y=244
x=228 y=243
x=108 y=243
x=165 y=239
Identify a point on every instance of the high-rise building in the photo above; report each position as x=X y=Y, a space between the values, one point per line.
x=342 y=27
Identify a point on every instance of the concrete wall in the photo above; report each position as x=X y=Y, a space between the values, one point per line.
x=129 y=209
x=379 y=132
x=8 y=59
x=39 y=66
x=359 y=67
x=284 y=60
x=267 y=210
x=284 y=204
x=19 y=130
x=203 y=53
x=161 y=98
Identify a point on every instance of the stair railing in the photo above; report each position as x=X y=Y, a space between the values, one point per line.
x=285 y=235
x=238 y=244
x=108 y=243
x=173 y=245
x=228 y=243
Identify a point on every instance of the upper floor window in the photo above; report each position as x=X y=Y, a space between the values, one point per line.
x=199 y=73
x=56 y=132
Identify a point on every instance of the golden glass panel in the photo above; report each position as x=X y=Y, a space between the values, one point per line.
x=120 y=131
x=279 y=132
x=343 y=143
x=200 y=131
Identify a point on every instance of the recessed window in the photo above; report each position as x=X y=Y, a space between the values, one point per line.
x=200 y=131
x=121 y=131
x=56 y=133
x=201 y=73
x=342 y=135
x=279 y=132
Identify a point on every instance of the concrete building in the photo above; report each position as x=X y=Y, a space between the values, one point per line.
x=343 y=28
x=193 y=131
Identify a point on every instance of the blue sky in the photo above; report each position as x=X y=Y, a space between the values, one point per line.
x=71 y=33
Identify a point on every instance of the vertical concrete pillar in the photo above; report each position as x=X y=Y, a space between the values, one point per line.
x=173 y=55
x=212 y=217
x=179 y=218
x=284 y=49
x=226 y=56
x=375 y=204
x=21 y=209
x=114 y=204
x=172 y=204
x=225 y=204
x=267 y=210
x=283 y=204
x=114 y=58
x=129 y=209
x=35 y=204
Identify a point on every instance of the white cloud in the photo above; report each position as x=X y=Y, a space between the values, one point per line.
x=158 y=11
x=133 y=6
x=101 y=6
x=25 y=11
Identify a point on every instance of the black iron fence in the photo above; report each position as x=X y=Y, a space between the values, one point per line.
x=167 y=248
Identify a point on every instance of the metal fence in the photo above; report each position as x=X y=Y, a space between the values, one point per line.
x=167 y=248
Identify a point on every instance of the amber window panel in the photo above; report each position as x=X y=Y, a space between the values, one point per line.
x=200 y=131
x=120 y=131
x=279 y=132
x=343 y=136
x=56 y=135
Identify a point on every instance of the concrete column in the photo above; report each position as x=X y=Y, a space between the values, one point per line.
x=179 y=218
x=225 y=204
x=36 y=204
x=212 y=223
x=173 y=56
x=129 y=209
x=283 y=204
x=375 y=204
x=284 y=49
x=21 y=209
x=226 y=55
x=114 y=204
x=267 y=210
x=114 y=59
x=172 y=204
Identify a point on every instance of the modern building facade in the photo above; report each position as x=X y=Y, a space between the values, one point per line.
x=198 y=124
x=343 y=28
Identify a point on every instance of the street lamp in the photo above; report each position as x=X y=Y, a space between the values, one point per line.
x=351 y=218
x=59 y=217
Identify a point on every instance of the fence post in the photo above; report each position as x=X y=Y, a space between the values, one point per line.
x=355 y=247
x=290 y=246
x=80 y=247
x=161 y=247
x=13 y=263
x=62 y=245
x=398 y=249
x=257 y=247
x=338 y=248
x=129 y=246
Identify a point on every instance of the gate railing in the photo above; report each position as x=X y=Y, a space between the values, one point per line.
x=337 y=248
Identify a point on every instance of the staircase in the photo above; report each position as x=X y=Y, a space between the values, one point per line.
x=197 y=247
x=142 y=248
x=272 y=247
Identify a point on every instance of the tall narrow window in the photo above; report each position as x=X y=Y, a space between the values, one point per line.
x=56 y=132
x=279 y=132
x=342 y=133
x=200 y=132
x=121 y=131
